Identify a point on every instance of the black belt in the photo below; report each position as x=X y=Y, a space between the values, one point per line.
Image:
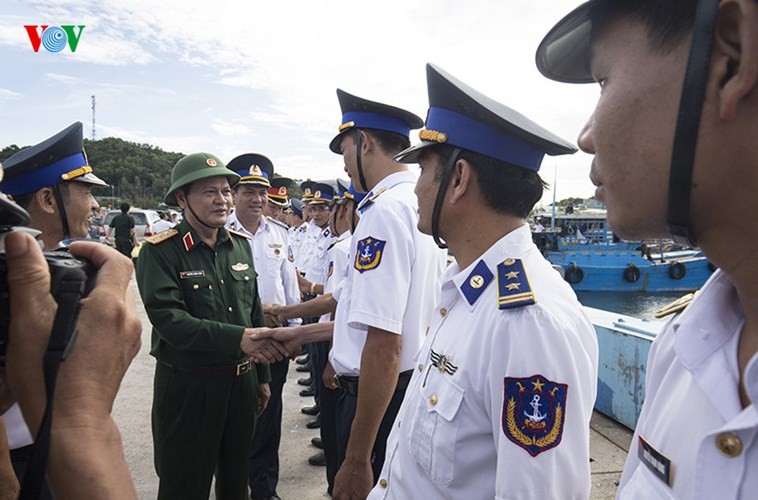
x=238 y=369
x=349 y=384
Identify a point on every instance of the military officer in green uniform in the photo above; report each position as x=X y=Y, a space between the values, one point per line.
x=198 y=285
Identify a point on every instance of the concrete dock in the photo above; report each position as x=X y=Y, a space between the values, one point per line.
x=299 y=480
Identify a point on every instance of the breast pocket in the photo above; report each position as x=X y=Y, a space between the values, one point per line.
x=435 y=427
x=244 y=287
x=199 y=296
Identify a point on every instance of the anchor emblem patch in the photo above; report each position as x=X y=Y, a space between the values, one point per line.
x=534 y=410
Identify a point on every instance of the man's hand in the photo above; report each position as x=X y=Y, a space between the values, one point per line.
x=354 y=481
x=303 y=284
x=286 y=337
x=108 y=326
x=262 y=349
x=271 y=315
x=264 y=396
x=328 y=376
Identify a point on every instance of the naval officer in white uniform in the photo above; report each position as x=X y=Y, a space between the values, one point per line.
x=503 y=387
x=388 y=294
x=673 y=139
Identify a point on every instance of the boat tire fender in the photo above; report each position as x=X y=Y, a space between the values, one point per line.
x=631 y=273
x=574 y=274
x=677 y=271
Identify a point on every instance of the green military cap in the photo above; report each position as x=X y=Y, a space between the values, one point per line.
x=194 y=167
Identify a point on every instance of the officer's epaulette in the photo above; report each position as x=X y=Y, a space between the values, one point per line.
x=678 y=305
x=277 y=222
x=162 y=236
x=334 y=243
x=241 y=235
x=514 y=289
x=369 y=199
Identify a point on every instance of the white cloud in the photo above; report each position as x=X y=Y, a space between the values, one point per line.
x=229 y=129
x=9 y=95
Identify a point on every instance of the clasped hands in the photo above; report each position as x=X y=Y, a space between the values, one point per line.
x=267 y=345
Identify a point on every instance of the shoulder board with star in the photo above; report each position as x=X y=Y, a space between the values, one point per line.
x=277 y=222
x=514 y=289
x=678 y=305
x=237 y=233
x=162 y=236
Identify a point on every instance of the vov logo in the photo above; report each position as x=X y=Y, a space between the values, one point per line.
x=54 y=38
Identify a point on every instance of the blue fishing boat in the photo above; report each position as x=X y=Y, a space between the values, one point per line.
x=592 y=258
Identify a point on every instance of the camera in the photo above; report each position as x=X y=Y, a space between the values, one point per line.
x=71 y=279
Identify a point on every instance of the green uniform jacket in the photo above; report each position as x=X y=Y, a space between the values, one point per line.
x=199 y=300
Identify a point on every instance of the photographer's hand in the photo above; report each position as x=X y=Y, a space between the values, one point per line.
x=86 y=458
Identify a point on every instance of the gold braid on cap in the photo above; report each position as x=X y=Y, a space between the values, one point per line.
x=346 y=125
x=73 y=174
x=432 y=135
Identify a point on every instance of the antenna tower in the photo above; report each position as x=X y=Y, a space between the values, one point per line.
x=94 y=136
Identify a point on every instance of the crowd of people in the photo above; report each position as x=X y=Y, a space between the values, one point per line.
x=475 y=379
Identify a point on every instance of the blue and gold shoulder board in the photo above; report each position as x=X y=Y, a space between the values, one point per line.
x=162 y=236
x=369 y=199
x=678 y=305
x=237 y=233
x=514 y=289
x=277 y=222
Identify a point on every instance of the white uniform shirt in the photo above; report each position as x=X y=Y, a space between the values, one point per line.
x=393 y=277
x=277 y=278
x=449 y=438
x=315 y=271
x=161 y=225
x=336 y=269
x=16 y=431
x=692 y=415
x=296 y=238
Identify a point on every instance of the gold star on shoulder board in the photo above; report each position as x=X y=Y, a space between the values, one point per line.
x=537 y=385
x=512 y=286
x=512 y=275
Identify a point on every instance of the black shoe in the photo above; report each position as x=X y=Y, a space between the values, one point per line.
x=318 y=459
x=317 y=443
x=310 y=410
x=302 y=361
x=307 y=393
x=307 y=382
x=314 y=424
x=303 y=368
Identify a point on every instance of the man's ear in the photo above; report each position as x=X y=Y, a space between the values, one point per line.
x=45 y=200
x=735 y=54
x=367 y=142
x=461 y=178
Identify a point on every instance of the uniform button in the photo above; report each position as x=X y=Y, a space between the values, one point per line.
x=433 y=400
x=222 y=281
x=729 y=444
x=231 y=309
x=443 y=312
x=383 y=483
x=210 y=287
x=195 y=286
x=420 y=367
x=247 y=278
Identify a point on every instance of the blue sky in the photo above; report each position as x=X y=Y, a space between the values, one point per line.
x=231 y=77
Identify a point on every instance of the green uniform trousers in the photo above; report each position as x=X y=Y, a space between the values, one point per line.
x=202 y=425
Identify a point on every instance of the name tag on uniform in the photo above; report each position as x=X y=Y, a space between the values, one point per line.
x=191 y=274
x=655 y=461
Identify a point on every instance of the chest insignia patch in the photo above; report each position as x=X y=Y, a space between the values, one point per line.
x=368 y=255
x=191 y=274
x=239 y=266
x=534 y=410
x=290 y=255
x=442 y=363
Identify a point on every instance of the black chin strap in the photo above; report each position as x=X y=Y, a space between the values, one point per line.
x=441 y=196
x=688 y=122
x=359 y=164
x=62 y=211
x=201 y=221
